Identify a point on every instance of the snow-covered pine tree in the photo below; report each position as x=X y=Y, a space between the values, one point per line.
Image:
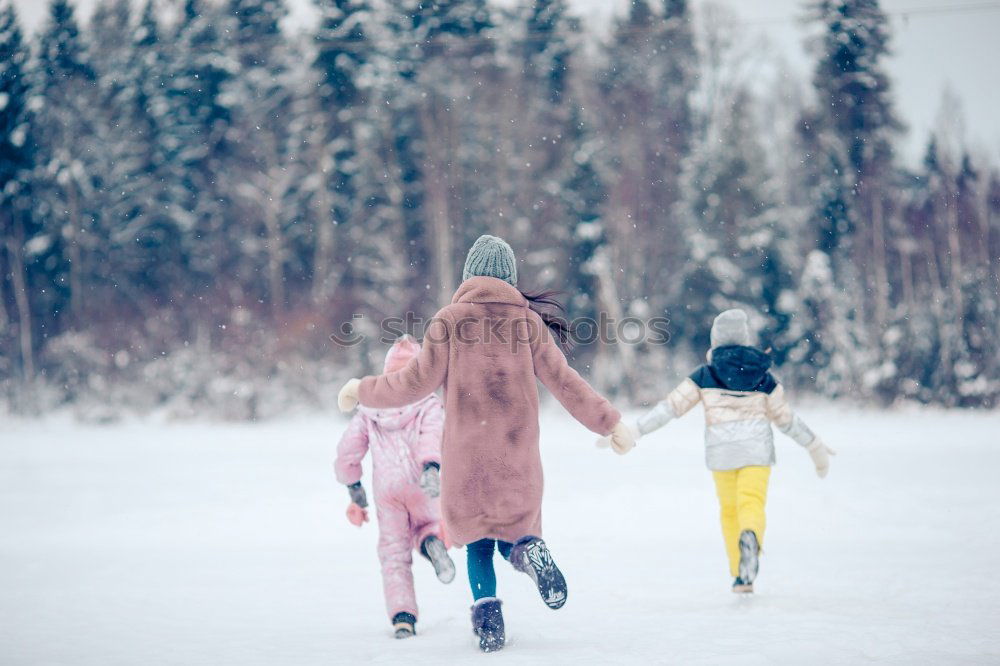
x=646 y=85
x=198 y=64
x=397 y=96
x=854 y=125
x=546 y=49
x=589 y=275
x=344 y=51
x=950 y=372
x=64 y=134
x=735 y=232
x=856 y=104
x=978 y=379
x=557 y=160
x=138 y=257
x=544 y=117
x=431 y=104
x=851 y=83
x=359 y=198
x=258 y=29
x=583 y=193
x=265 y=172
x=17 y=227
x=143 y=268
x=821 y=332
x=677 y=79
x=824 y=314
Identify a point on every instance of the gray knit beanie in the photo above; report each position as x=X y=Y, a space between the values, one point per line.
x=732 y=327
x=490 y=256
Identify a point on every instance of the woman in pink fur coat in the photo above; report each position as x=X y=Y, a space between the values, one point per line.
x=487 y=348
x=405 y=444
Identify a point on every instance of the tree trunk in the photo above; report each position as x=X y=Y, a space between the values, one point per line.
x=74 y=254
x=323 y=249
x=936 y=299
x=15 y=248
x=955 y=260
x=906 y=268
x=879 y=256
x=437 y=207
x=275 y=245
x=5 y=320
x=608 y=303
x=986 y=240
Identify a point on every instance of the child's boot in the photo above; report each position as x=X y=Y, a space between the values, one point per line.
x=434 y=549
x=749 y=558
x=404 y=624
x=531 y=556
x=487 y=623
x=742 y=587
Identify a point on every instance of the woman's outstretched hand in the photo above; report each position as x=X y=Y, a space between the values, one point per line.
x=347 y=399
x=621 y=440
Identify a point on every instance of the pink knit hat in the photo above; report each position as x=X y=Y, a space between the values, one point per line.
x=401 y=352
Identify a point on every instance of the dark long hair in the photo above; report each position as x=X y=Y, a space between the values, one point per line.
x=545 y=304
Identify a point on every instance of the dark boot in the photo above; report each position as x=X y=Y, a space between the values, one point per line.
x=531 y=556
x=433 y=549
x=749 y=557
x=742 y=587
x=487 y=623
x=404 y=624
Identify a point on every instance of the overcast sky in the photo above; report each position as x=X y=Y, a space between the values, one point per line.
x=936 y=43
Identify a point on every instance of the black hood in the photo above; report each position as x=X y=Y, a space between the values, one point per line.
x=739 y=368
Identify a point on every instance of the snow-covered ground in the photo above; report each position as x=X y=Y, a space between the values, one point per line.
x=227 y=544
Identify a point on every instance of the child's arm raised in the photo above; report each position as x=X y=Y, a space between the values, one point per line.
x=675 y=405
x=788 y=422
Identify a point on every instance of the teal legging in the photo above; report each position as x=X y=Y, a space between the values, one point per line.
x=479 y=556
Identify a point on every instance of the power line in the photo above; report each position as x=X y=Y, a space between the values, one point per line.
x=947 y=9
x=541 y=36
x=924 y=10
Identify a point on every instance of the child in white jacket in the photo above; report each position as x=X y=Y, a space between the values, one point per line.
x=741 y=399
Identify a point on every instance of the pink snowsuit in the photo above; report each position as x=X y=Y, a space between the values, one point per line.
x=401 y=441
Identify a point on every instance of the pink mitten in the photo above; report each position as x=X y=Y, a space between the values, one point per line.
x=357 y=515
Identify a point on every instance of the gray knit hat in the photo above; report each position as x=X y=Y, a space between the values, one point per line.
x=490 y=256
x=732 y=327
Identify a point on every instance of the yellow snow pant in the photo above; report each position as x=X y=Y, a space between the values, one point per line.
x=742 y=495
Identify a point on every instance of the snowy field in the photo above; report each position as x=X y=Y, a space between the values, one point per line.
x=227 y=544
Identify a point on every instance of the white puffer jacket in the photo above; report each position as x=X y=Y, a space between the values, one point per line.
x=742 y=399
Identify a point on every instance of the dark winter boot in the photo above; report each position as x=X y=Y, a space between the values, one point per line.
x=434 y=550
x=531 y=556
x=742 y=587
x=749 y=557
x=404 y=624
x=487 y=623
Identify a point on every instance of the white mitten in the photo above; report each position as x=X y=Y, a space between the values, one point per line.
x=347 y=399
x=621 y=440
x=820 y=453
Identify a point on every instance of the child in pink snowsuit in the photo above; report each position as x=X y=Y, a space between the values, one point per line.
x=406 y=448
